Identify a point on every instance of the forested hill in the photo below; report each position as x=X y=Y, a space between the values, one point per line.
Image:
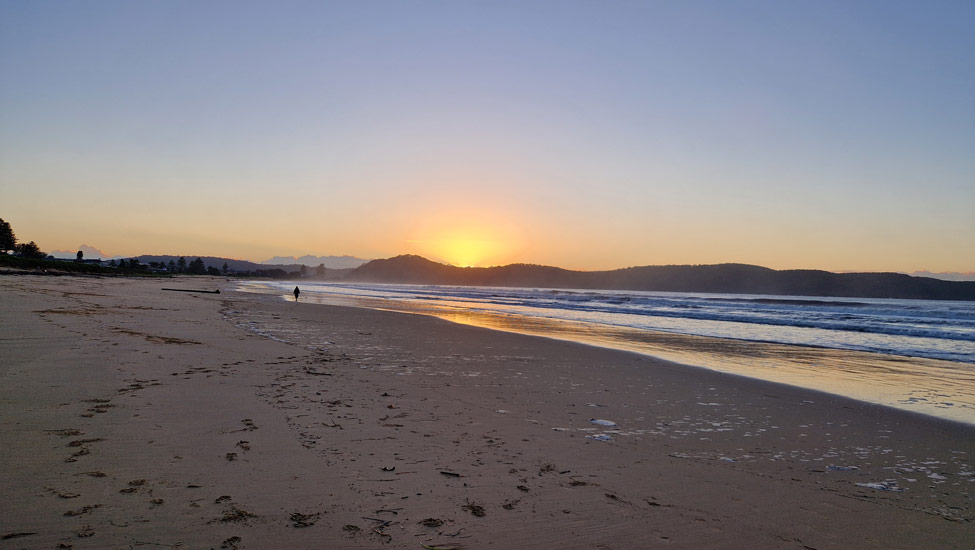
x=721 y=278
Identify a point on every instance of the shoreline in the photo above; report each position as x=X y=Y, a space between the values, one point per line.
x=342 y=436
x=844 y=400
x=906 y=383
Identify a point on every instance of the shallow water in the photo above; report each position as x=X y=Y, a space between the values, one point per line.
x=841 y=361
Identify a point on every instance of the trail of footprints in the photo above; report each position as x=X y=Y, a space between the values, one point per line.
x=81 y=446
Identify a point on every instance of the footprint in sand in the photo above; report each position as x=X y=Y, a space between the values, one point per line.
x=62 y=494
x=474 y=508
x=100 y=406
x=83 y=510
x=83 y=450
x=300 y=520
x=80 y=442
x=134 y=486
x=66 y=432
x=234 y=515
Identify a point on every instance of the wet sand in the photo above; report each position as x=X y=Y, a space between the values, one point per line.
x=945 y=389
x=132 y=416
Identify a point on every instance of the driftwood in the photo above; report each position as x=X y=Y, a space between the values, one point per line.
x=316 y=373
x=190 y=290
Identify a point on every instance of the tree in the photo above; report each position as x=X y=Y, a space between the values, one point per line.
x=7 y=239
x=213 y=271
x=197 y=267
x=30 y=250
x=181 y=264
x=81 y=256
x=122 y=264
x=320 y=270
x=303 y=270
x=225 y=268
x=172 y=266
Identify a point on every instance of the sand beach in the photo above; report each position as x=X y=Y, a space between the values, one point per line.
x=133 y=417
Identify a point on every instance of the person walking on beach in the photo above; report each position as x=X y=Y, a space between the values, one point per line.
x=297 y=292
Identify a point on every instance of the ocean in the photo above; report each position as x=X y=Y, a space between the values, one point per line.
x=912 y=354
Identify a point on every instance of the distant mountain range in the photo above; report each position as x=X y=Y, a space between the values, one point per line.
x=331 y=262
x=89 y=252
x=946 y=276
x=721 y=278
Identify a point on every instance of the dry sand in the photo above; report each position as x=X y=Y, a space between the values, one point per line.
x=135 y=417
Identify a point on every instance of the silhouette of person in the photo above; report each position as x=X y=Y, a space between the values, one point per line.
x=297 y=292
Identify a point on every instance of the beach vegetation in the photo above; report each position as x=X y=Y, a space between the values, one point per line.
x=197 y=267
x=30 y=250
x=7 y=238
x=54 y=266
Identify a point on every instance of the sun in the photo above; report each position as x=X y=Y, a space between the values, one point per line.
x=466 y=250
x=472 y=242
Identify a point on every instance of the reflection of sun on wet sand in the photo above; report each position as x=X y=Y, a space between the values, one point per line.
x=238 y=421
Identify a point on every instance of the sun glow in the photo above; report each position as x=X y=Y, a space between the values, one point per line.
x=467 y=251
x=468 y=242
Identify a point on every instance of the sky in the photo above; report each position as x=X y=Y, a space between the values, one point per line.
x=588 y=135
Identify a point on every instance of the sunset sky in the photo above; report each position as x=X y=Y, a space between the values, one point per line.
x=589 y=135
